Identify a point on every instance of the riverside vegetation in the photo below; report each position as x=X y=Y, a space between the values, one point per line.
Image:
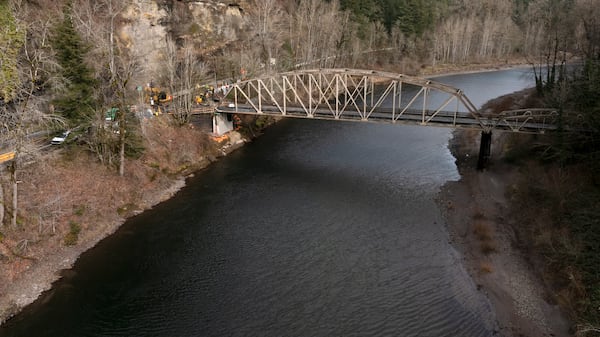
x=65 y=63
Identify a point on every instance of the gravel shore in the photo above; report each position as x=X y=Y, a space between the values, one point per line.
x=478 y=216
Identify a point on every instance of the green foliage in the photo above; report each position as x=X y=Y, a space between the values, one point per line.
x=76 y=102
x=194 y=29
x=73 y=234
x=413 y=17
x=79 y=210
x=369 y=9
x=12 y=39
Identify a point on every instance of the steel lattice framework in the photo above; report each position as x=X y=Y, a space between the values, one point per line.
x=375 y=96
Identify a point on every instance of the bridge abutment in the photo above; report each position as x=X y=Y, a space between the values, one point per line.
x=485 y=149
x=221 y=124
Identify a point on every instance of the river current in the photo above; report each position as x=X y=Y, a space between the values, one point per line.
x=317 y=228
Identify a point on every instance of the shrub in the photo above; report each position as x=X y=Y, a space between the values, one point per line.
x=73 y=235
x=79 y=210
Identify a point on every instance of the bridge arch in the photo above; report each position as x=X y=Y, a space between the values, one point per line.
x=373 y=96
x=354 y=94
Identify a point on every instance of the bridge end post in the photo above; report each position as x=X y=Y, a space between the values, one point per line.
x=485 y=149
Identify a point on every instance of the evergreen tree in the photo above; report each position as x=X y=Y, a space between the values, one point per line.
x=76 y=101
x=519 y=11
x=12 y=38
x=362 y=8
x=413 y=17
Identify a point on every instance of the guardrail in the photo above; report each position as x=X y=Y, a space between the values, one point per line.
x=7 y=156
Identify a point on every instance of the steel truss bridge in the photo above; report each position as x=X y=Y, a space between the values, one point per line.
x=373 y=96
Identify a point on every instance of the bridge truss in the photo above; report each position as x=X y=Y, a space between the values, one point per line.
x=373 y=96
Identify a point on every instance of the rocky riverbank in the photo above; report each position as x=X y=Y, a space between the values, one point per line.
x=76 y=192
x=483 y=229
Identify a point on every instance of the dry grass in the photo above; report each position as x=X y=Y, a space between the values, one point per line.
x=485 y=267
x=519 y=100
x=483 y=230
x=485 y=234
x=173 y=150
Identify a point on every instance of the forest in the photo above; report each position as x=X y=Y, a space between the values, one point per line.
x=63 y=64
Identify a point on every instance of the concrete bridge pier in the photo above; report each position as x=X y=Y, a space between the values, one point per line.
x=485 y=149
x=222 y=123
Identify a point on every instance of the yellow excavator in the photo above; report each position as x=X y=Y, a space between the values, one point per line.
x=156 y=97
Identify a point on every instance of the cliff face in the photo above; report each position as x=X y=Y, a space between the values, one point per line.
x=211 y=25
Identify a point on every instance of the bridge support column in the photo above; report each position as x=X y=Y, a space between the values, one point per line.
x=485 y=149
x=221 y=124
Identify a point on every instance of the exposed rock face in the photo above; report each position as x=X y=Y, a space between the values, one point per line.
x=215 y=23
x=211 y=25
x=144 y=34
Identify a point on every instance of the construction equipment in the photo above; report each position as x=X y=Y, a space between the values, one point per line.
x=155 y=95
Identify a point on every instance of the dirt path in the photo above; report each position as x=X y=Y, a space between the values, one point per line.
x=480 y=225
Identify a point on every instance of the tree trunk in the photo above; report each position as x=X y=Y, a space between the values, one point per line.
x=1 y=204
x=13 y=179
x=122 y=145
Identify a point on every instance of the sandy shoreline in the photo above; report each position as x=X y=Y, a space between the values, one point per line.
x=479 y=222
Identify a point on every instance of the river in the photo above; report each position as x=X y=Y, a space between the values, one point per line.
x=317 y=228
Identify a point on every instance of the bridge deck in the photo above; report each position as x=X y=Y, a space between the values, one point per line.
x=523 y=123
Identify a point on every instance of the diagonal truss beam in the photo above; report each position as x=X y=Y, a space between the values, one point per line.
x=366 y=95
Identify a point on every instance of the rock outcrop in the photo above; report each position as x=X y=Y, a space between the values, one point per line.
x=210 y=25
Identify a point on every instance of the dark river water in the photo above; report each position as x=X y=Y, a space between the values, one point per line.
x=316 y=228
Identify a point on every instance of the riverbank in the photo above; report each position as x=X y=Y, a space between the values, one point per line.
x=77 y=202
x=451 y=69
x=482 y=227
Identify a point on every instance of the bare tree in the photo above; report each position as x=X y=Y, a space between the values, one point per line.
x=478 y=31
x=588 y=28
x=23 y=115
x=267 y=20
x=98 y=22
x=555 y=26
x=183 y=71
x=316 y=33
